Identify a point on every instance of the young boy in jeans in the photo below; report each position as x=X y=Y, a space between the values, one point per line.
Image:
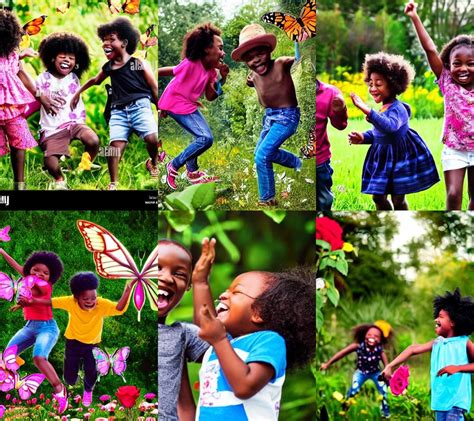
x=276 y=92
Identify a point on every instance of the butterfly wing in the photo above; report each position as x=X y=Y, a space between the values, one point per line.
x=7 y=287
x=63 y=8
x=131 y=7
x=308 y=16
x=102 y=361
x=9 y=381
x=114 y=6
x=288 y=23
x=34 y=26
x=28 y=385
x=8 y=359
x=4 y=233
x=119 y=360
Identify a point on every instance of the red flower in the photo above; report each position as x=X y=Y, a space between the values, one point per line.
x=128 y=395
x=399 y=380
x=330 y=231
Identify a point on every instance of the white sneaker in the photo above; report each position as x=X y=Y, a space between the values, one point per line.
x=60 y=185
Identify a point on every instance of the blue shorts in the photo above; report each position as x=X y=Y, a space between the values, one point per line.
x=454 y=414
x=41 y=334
x=137 y=117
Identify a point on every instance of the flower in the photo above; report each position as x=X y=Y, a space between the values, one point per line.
x=338 y=396
x=86 y=162
x=47 y=401
x=77 y=398
x=8 y=396
x=399 y=381
x=34 y=400
x=42 y=396
x=330 y=231
x=149 y=396
x=128 y=395
x=320 y=284
x=2 y=411
x=104 y=398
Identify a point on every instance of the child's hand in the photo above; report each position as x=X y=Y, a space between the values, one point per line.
x=203 y=266
x=449 y=370
x=387 y=373
x=212 y=329
x=361 y=105
x=51 y=106
x=410 y=9
x=162 y=114
x=324 y=366
x=27 y=52
x=16 y=307
x=356 y=138
x=223 y=70
x=338 y=104
x=75 y=100
x=23 y=301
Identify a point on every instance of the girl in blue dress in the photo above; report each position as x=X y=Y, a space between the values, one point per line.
x=398 y=162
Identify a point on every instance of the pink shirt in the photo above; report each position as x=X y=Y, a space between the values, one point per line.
x=458 y=132
x=189 y=82
x=324 y=96
x=40 y=311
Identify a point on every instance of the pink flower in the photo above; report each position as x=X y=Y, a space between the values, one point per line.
x=34 y=400
x=14 y=401
x=77 y=398
x=64 y=418
x=87 y=415
x=104 y=398
x=42 y=396
x=47 y=401
x=8 y=396
x=91 y=410
x=150 y=396
x=2 y=410
x=399 y=381
x=28 y=402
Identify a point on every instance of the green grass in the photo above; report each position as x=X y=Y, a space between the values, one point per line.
x=347 y=161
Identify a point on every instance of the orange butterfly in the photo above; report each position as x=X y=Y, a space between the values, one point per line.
x=297 y=29
x=64 y=8
x=130 y=6
x=146 y=39
x=309 y=150
x=34 y=26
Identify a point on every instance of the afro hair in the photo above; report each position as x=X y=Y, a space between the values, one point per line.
x=83 y=281
x=49 y=259
x=124 y=30
x=197 y=40
x=293 y=318
x=395 y=69
x=360 y=331
x=66 y=43
x=460 y=310
x=10 y=33
x=459 y=41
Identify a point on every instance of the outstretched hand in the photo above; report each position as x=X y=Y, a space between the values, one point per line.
x=338 y=104
x=449 y=370
x=410 y=8
x=202 y=268
x=211 y=330
x=387 y=373
x=356 y=138
x=361 y=105
x=324 y=366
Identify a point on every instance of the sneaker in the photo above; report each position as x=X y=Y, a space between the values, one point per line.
x=87 y=398
x=171 y=175
x=61 y=399
x=152 y=169
x=60 y=185
x=113 y=186
x=20 y=185
x=200 y=177
x=267 y=203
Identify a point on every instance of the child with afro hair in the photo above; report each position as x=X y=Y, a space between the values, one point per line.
x=451 y=353
x=134 y=86
x=66 y=58
x=40 y=331
x=398 y=161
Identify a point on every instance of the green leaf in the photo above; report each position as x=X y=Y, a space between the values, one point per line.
x=333 y=295
x=319 y=319
x=323 y=244
x=180 y=220
x=195 y=197
x=204 y=196
x=276 y=215
x=342 y=266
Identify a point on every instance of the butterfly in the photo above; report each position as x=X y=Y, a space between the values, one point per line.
x=26 y=386
x=11 y=288
x=146 y=39
x=309 y=150
x=4 y=234
x=130 y=6
x=117 y=361
x=8 y=362
x=34 y=26
x=297 y=29
x=63 y=8
x=113 y=261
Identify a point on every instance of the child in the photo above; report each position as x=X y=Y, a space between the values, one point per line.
x=14 y=98
x=178 y=342
x=453 y=68
x=255 y=333
x=203 y=55
x=66 y=58
x=84 y=330
x=330 y=105
x=133 y=87
x=40 y=330
x=369 y=340
x=398 y=162
x=276 y=92
x=454 y=322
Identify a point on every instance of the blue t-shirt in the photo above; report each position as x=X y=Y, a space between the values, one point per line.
x=216 y=398
x=455 y=390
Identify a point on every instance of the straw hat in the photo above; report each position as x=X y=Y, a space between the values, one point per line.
x=252 y=36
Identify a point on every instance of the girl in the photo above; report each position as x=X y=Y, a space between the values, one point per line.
x=398 y=162
x=65 y=57
x=203 y=54
x=454 y=322
x=40 y=330
x=368 y=344
x=454 y=69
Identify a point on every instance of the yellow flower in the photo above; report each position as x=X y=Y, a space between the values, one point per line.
x=338 y=396
x=347 y=247
x=86 y=162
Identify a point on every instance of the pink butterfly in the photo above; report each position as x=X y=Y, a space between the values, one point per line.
x=4 y=234
x=2 y=411
x=8 y=361
x=113 y=261
x=10 y=288
x=117 y=361
x=26 y=386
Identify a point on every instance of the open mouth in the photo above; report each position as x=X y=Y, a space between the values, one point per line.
x=108 y=50
x=222 y=308
x=463 y=77
x=64 y=66
x=260 y=69
x=164 y=298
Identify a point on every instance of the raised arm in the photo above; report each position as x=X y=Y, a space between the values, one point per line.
x=12 y=262
x=125 y=297
x=338 y=355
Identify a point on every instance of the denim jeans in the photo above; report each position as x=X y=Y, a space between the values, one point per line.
x=359 y=378
x=278 y=125
x=454 y=414
x=324 y=196
x=197 y=125
x=41 y=334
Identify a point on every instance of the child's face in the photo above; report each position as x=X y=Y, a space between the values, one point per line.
x=113 y=46
x=174 y=274
x=462 y=65
x=235 y=307
x=215 y=54
x=373 y=337
x=378 y=88
x=444 y=326
x=64 y=63
x=87 y=299
x=41 y=271
x=258 y=59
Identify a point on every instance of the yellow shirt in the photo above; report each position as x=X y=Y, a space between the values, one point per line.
x=86 y=325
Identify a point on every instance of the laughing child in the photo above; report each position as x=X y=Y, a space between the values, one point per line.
x=133 y=88
x=454 y=322
x=276 y=92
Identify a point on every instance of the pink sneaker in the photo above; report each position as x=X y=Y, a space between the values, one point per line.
x=171 y=175
x=61 y=399
x=87 y=398
x=200 y=177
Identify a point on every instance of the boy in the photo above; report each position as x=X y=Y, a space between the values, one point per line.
x=276 y=92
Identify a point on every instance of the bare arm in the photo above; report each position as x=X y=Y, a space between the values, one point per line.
x=384 y=359
x=210 y=92
x=287 y=62
x=124 y=298
x=186 y=405
x=453 y=369
x=12 y=262
x=342 y=353
x=165 y=71
x=150 y=80
x=470 y=351
x=101 y=76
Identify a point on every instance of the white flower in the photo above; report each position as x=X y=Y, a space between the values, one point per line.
x=320 y=283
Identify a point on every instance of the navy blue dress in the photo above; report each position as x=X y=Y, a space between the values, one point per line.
x=398 y=161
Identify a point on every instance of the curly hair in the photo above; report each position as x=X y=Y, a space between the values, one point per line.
x=66 y=43
x=124 y=30
x=359 y=332
x=460 y=310
x=287 y=306
x=459 y=41
x=10 y=33
x=395 y=69
x=83 y=281
x=51 y=260
x=198 y=39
